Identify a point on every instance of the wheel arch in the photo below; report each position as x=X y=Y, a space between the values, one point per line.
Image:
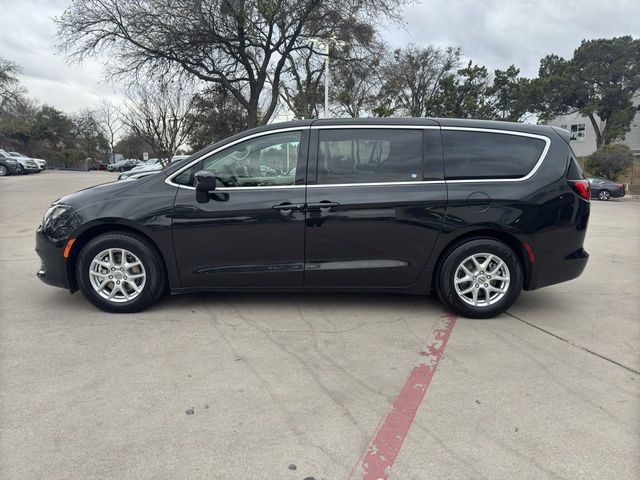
x=510 y=240
x=92 y=232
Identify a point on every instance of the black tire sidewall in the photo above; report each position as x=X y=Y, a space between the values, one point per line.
x=446 y=290
x=4 y=171
x=155 y=282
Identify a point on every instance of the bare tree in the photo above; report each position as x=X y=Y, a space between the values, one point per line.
x=412 y=79
x=109 y=118
x=241 y=45
x=158 y=113
x=356 y=84
x=10 y=89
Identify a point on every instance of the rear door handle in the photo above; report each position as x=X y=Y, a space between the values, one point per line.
x=324 y=205
x=286 y=207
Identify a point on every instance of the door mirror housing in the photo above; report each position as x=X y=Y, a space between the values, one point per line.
x=205 y=182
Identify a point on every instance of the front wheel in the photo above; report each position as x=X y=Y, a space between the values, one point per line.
x=604 y=195
x=4 y=171
x=480 y=278
x=120 y=272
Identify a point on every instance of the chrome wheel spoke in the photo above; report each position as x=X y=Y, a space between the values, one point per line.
x=117 y=275
x=487 y=284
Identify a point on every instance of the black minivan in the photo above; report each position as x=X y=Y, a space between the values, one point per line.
x=473 y=210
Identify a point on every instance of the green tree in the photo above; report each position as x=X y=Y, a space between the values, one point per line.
x=510 y=94
x=465 y=95
x=610 y=161
x=598 y=82
x=216 y=115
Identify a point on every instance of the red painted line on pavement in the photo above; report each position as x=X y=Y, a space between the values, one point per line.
x=381 y=453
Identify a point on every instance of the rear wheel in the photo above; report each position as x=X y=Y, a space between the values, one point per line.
x=480 y=278
x=604 y=195
x=120 y=272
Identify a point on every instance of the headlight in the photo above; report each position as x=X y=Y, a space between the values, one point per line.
x=52 y=214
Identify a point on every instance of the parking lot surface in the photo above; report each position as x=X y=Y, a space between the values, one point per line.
x=297 y=386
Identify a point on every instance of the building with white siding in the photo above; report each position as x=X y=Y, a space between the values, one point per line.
x=583 y=136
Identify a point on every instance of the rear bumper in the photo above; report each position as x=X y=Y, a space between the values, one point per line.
x=554 y=271
x=53 y=268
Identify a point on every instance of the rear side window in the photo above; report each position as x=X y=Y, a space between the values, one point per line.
x=470 y=155
x=574 y=172
x=355 y=155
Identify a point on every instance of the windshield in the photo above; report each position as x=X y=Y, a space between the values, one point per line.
x=4 y=153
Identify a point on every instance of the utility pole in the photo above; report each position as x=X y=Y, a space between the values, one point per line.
x=326 y=43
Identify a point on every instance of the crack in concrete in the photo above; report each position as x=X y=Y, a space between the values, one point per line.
x=577 y=345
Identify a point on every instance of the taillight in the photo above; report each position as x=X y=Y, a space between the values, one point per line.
x=581 y=187
x=621 y=186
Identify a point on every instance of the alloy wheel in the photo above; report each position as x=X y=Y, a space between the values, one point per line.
x=117 y=275
x=482 y=279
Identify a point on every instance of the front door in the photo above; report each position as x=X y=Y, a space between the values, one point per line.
x=375 y=205
x=251 y=231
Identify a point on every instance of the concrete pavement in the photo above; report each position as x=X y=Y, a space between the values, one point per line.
x=293 y=386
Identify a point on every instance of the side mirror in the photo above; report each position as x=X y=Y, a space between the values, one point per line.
x=205 y=182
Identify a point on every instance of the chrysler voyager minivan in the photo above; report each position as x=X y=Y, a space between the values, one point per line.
x=474 y=211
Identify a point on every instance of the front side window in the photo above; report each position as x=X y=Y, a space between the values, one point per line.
x=477 y=155
x=354 y=155
x=268 y=160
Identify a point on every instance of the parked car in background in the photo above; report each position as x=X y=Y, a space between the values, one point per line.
x=10 y=166
x=604 y=189
x=42 y=164
x=28 y=164
x=473 y=211
x=123 y=165
x=98 y=166
x=153 y=165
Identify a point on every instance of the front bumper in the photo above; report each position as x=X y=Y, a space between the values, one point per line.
x=54 y=268
x=13 y=169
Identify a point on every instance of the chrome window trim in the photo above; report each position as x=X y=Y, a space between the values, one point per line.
x=403 y=127
x=375 y=184
x=235 y=142
x=533 y=171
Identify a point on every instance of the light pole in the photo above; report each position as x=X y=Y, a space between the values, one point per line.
x=326 y=43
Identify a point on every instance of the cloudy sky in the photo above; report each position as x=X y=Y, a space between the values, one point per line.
x=495 y=33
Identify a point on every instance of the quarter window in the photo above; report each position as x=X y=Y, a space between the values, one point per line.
x=471 y=155
x=354 y=155
x=268 y=160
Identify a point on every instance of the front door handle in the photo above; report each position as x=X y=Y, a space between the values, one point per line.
x=325 y=205
x=286 y=207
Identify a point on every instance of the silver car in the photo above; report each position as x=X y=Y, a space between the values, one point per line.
x=28 y=164
x=42 y=164
x=152 y=166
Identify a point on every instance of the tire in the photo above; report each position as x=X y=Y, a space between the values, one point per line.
x=121 y=169
x=604 y=195
x=20 y=170
x=152 y=283
x=508 y=278
x=4 y=171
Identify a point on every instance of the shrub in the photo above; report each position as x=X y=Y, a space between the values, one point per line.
x=610 y=161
